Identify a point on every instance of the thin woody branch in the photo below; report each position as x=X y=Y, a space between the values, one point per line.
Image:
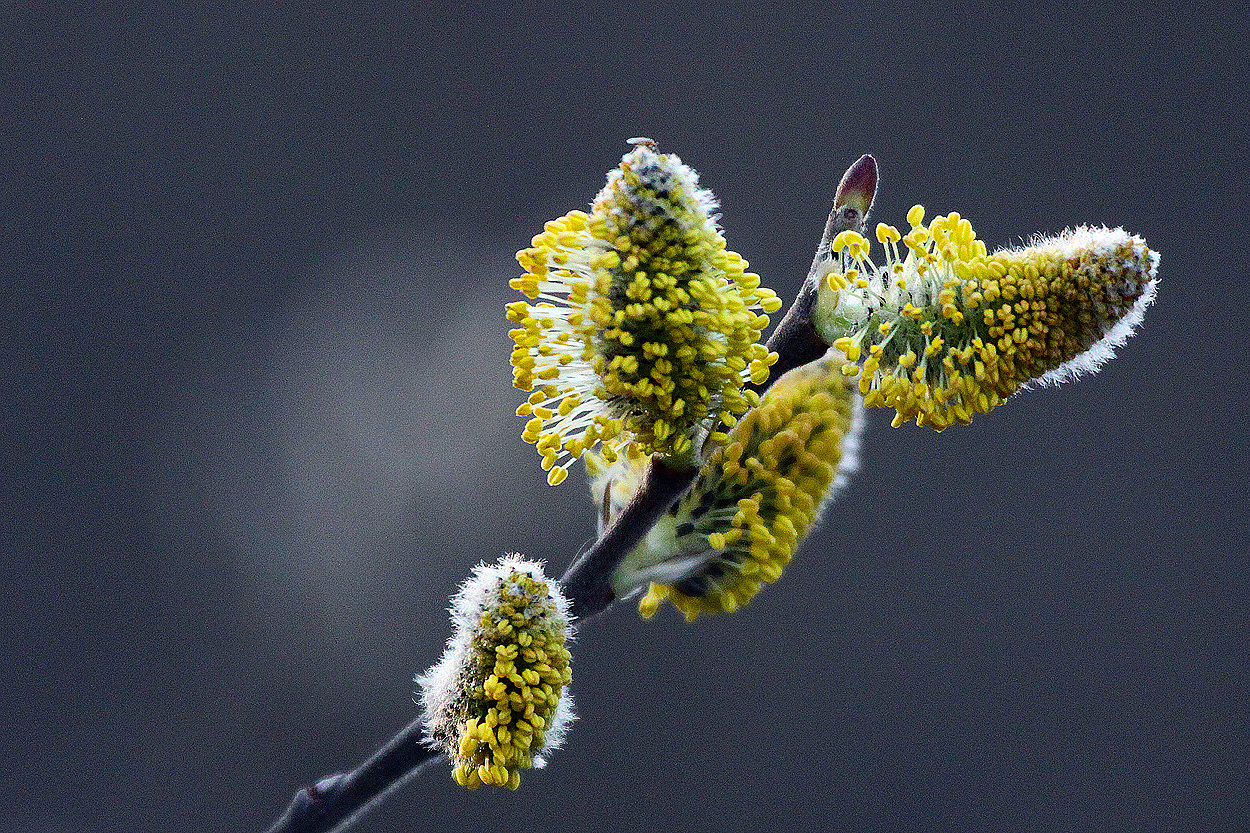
x=588 y=582
x=795 y=341
x=335 y=802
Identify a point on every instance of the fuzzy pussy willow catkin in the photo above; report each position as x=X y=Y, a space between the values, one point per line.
x=943 y=330
x=645 y=327
x=495 y=702
x=752 y=503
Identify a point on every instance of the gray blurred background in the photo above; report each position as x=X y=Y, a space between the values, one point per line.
x=258 y=423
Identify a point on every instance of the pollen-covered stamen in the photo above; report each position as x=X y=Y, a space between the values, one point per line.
x=947 y=331
x=494 y=701
x=753 y=502
x=644 y=328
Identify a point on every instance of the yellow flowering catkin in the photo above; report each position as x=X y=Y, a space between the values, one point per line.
x=946 y=330
x=645 y=328
x=494 y=701
x=757 y=497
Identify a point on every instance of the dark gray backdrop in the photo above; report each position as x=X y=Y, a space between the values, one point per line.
x=258 y=423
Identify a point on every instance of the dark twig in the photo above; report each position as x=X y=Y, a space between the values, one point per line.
x=795 y=340
x=588 y=583
x=335 y=802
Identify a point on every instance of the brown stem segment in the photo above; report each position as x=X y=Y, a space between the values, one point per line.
x=795 y=340
x=334 y=803
x=588 y=583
